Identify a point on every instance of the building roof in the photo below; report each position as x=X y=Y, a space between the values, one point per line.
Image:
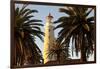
x=50 y=16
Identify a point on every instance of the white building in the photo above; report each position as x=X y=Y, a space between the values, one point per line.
x=49 y=40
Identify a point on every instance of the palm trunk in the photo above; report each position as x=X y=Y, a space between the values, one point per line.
x=83 y=55
x=83 y=50
x=58 y=57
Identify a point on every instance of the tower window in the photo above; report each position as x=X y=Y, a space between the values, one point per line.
x=49 y=30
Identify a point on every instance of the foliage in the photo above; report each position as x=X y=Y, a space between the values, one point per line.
x=78 y=27
x=26 y=29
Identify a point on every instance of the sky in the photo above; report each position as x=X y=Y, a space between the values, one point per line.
x=43 y=11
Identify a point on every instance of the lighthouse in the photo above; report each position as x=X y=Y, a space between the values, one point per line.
x=49 y=40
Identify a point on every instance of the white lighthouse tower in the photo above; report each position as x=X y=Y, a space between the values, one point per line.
x=49 y=40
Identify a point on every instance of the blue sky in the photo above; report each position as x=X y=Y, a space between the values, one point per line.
x=43 y=11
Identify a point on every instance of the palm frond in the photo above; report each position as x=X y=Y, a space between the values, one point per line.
x=67 y=10
x=26 y=30
x=88 y=12
x=90 y=19
x=76 y=26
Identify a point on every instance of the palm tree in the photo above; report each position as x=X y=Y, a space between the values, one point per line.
x=61 y=52
x=79 y=27
x=26 y=29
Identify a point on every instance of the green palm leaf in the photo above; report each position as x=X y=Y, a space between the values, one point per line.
x=26 y=30
x=76 y=25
